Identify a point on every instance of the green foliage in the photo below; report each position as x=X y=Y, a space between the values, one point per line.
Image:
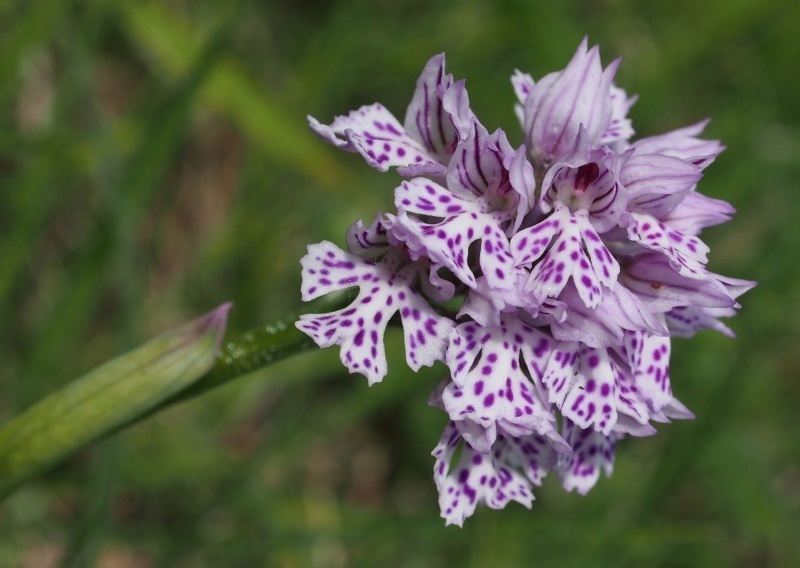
x=154 y=162
x=108 y=397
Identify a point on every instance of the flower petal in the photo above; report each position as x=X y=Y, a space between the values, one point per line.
x=593 y=387
x=682 y=143
x=659 y=287
x=687 y=254
x=476 y=479
x=592 y=452
x=426 y=197
x=484 y=304
x=385 y=287
x=588 y=181
x=561 y=102
x=604 y=326
x=656 y=183
x=375 y=133
x=447 y=244
x=426 y=120
x=489 y=385
x=367 y=242
x=648 y=356
x=696 y=212
x=523 y=84
x=685 y=321
x=485 y=167
x=619 y=128
x=577 y=253
x=533 y=455
x=582 y=383
x=478 y=162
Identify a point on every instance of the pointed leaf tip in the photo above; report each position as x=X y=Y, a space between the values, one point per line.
x=214 y=321
x=108 y=398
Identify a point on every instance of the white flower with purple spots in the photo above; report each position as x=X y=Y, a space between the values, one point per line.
x=592 y=453
x=549 y=289
x=490 y=390
x=386 y=288
x=489 y=191
x=477 y=478
x=424 y=144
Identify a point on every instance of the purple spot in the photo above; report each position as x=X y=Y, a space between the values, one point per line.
x=430 y=326
x=359 y=338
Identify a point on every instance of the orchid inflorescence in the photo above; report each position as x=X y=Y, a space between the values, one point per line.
x=571 y=261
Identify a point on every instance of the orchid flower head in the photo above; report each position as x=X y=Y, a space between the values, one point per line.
x=548 y=279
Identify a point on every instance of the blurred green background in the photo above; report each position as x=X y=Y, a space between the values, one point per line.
x=155 y=161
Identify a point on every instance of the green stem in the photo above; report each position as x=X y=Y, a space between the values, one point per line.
x=249 y=352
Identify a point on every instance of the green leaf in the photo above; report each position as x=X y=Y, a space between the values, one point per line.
x=112 y=395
